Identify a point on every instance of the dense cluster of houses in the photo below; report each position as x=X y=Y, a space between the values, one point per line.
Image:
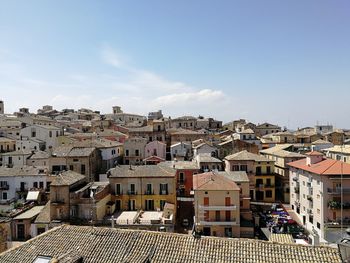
x=161 y=173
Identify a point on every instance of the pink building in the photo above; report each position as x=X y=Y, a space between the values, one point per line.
x=155 y=148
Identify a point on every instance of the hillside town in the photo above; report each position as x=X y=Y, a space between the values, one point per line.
x=255 y=188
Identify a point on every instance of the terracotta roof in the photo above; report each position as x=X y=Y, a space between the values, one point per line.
x=324 y=167
x=180 y=165
x=100 y=245
x=213 y=181
x=282 y=238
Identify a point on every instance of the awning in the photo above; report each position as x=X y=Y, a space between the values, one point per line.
x=32 y=196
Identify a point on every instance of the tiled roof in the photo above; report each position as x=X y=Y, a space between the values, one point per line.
x=246 y=156
x=148 y=128
x=324 y=167
x=180 y=165
x=21 y=171
x=107 y=245
x=236 y=176
x=279 y=150
x=44 y=215
x=142 y=171
x=81 y=152
x=34 y=211
x=18 y=152
x=314 y=153
x=339 y=149
x=39 y=155
x=205 y=158
x=213 y=181
x=320 y=141
x=67 y=178
x=282 y=238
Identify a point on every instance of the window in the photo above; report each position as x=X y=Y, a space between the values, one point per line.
x=149 y=204
x=132 y=189
x=235 y=168
x=268 y=194
x=75 y=160
x=4 y=195
x=162 y=204
x=132 y=205
x=113 y=152
x=311 y=219
x=181 y=178
x=228 y=215
x=41 y=185
x=163 y=189
x=83 y=169
x=318 y=225
x=217 y=216
x=137 y=152
x=244 y=168
x=35 y=184
x=118 y=189
x=126 y=152
x=50 y=134
x=149 y=190
x=71 y=167
x=268 y=169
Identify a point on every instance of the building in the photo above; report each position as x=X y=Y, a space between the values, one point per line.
x=155 y=148
x=216 y=205
x=231 y=146
x=146 y=187
x=205 y=148
x=206 y=162
x=152 y=132
x=320 y=145
x=281 y=155
x=266 y=128
x=10 y=128
x=62 y=190
x=7 y=145
x=181 y=151
x=75 y=243
x=338 y=152
x=155 y=115
x=248 y=136
x=2 y=109
x=134 y=150
x=45 y=133
x=260 y=171
x=323 y=128
x=185 y=135
x=185 y=122
x=222 y=204
x=284 y=137
x=316 y=195
x=16 y=182
x=335 y=137
x=15 y=158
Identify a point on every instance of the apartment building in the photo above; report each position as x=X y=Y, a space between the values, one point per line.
x=317 y=187
x=260 y=171
x=7 y=145
x=134 y=150
x=45 y=133
x=231 y=146
x=266 y=128
x=339 y=153
x=181 y=151
x=152 y=132
x=222 y=204
x=281 y=155
x=146 y=187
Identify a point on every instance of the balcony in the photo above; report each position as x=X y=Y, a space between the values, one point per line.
x=295 y=179
x=130 y=192
x=213 y=222
x=181 y=181
x=337 y=191
x=269 y=185
x=4 y=187
x=217 y=208
x=149 y=192
x=22 y=189
x=309 y=197
x=163 y=192
x=296 y=189
x=337 y=205
x=309 y=211
x=57 y=202
x=119 y=193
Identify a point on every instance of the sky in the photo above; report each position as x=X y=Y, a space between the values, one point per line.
x=284 y=62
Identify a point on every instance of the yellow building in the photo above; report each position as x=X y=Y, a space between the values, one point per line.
x=146 y=187
x=260 y=171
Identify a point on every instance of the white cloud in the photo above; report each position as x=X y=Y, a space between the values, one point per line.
x=110 y=56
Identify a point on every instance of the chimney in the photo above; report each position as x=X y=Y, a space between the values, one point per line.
x=313 y=157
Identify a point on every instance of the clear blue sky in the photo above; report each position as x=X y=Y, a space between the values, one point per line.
x=286 y=62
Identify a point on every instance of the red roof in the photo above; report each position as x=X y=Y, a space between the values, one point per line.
x=325 y=167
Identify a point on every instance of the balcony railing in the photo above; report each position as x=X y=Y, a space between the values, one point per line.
x=119 y=192
x=337 y=191
x=295 y=179
x=217 y=207
x=25 y=189
x=337 y=205
x=4 y=187
x=269 y=186
x=132 y=192
x=163 y=192
x=309 y=197
x=214 y=222
x=296 y=189
x=149 y=192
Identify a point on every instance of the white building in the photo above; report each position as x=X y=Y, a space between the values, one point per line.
x=205 y=148
x=47 y=134
x=15 y=158
x=180 y=151
x=16 y=182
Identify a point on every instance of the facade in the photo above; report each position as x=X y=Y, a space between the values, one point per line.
x=146 y=187
x=205 y=148
x=15 y=159
x=181 y=151
x=335 y=137
x=316 y=195
x=185 y=122
x=134 y=150
x=232 y=146
x=260 y=171
x=247 y=135
x=266 y=128
x=155 y=115
x=281 y=155
x=7 y=145
x=206 y=162
x=47 y=134
x=152 y=132
x=284 y=137
x=339 y=153
x=10 y=128
x=155 y=148
x=16 y=182
x=320 y=145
